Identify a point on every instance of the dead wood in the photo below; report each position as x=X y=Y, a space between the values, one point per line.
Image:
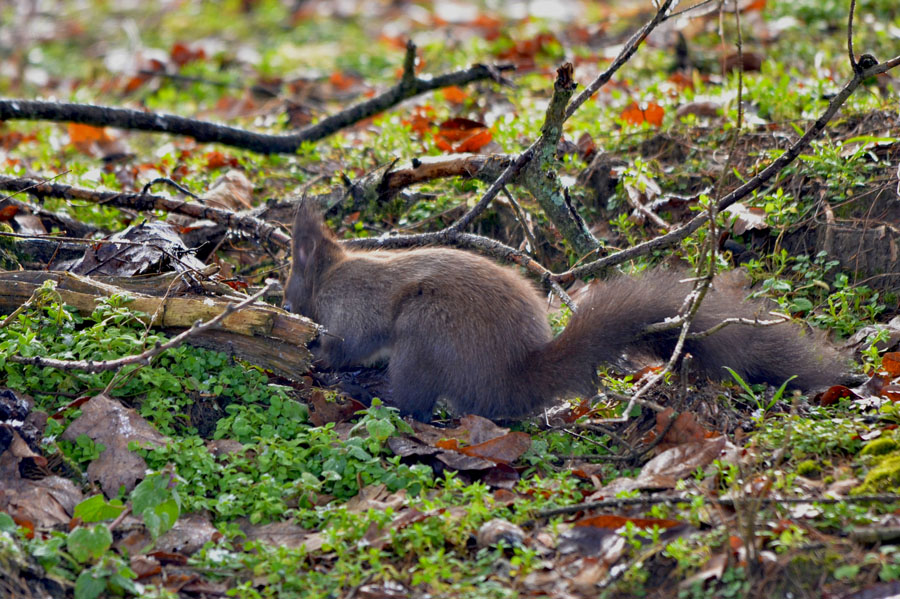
x=266 y=336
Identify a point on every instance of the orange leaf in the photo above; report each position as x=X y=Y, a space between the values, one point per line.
x=395 y=41
x=451 y=444
x=475 y=142
x=756 y=5
x=649 y=112
x=523 y=52
x=890 y=363
x=681 y=81
x=420 y=120
x=442 y=143
x=486 y=21
x=470 y=135
x=342 y=81
x=27 y=525
x=455 y=95
x=351 y=218
x=135 y=83
x=79 y=134
x=459 y=128
x=218 y=160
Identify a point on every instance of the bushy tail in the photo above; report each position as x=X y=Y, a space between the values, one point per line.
x=616 y=311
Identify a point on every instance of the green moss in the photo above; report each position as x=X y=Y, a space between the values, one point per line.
x=885 y=476
x=809 y=468
x=880 y=446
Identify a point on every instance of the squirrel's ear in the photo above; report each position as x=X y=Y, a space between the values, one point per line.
x=308 y=233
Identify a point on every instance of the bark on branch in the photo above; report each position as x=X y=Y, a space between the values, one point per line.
x=263 y=231
x=203 y=131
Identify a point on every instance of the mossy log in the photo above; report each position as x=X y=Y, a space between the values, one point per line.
x=262 y=335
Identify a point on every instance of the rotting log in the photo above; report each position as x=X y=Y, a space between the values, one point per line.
x=262 y=335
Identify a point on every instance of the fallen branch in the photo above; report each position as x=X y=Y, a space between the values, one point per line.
x=146 y=202
x=203 y=131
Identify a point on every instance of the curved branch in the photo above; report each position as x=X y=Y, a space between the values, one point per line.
x=207 y=132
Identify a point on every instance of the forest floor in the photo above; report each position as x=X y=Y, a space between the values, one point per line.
x=230 y=472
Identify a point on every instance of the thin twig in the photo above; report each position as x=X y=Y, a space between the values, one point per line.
x=168 y=181
x=520 y=214
x=852 y=55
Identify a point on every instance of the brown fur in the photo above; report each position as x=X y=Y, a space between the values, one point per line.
x=458 y=326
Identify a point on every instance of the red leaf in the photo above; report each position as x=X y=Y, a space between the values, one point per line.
x=7 y=212
x=617 y=522
x=77 y=403
x=237 y=285
x=421 y=119
x=835 y=393
x=181 y=53
x=890 y=363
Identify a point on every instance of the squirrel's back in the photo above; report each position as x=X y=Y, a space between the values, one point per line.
x=458 y=326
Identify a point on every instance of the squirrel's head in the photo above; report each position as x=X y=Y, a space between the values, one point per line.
x=313 y=251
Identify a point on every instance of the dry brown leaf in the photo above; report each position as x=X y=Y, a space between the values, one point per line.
x=747 y=218
x=323 y=410
x=376 y=497
x=107 y=421
x=189 y=534
x=44 y=503
x=681 y=461
x=233 y=191
x=501 y=450
x=284 y=534
x=496 y=530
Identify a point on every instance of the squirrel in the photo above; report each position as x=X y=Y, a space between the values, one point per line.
x=457 y=326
